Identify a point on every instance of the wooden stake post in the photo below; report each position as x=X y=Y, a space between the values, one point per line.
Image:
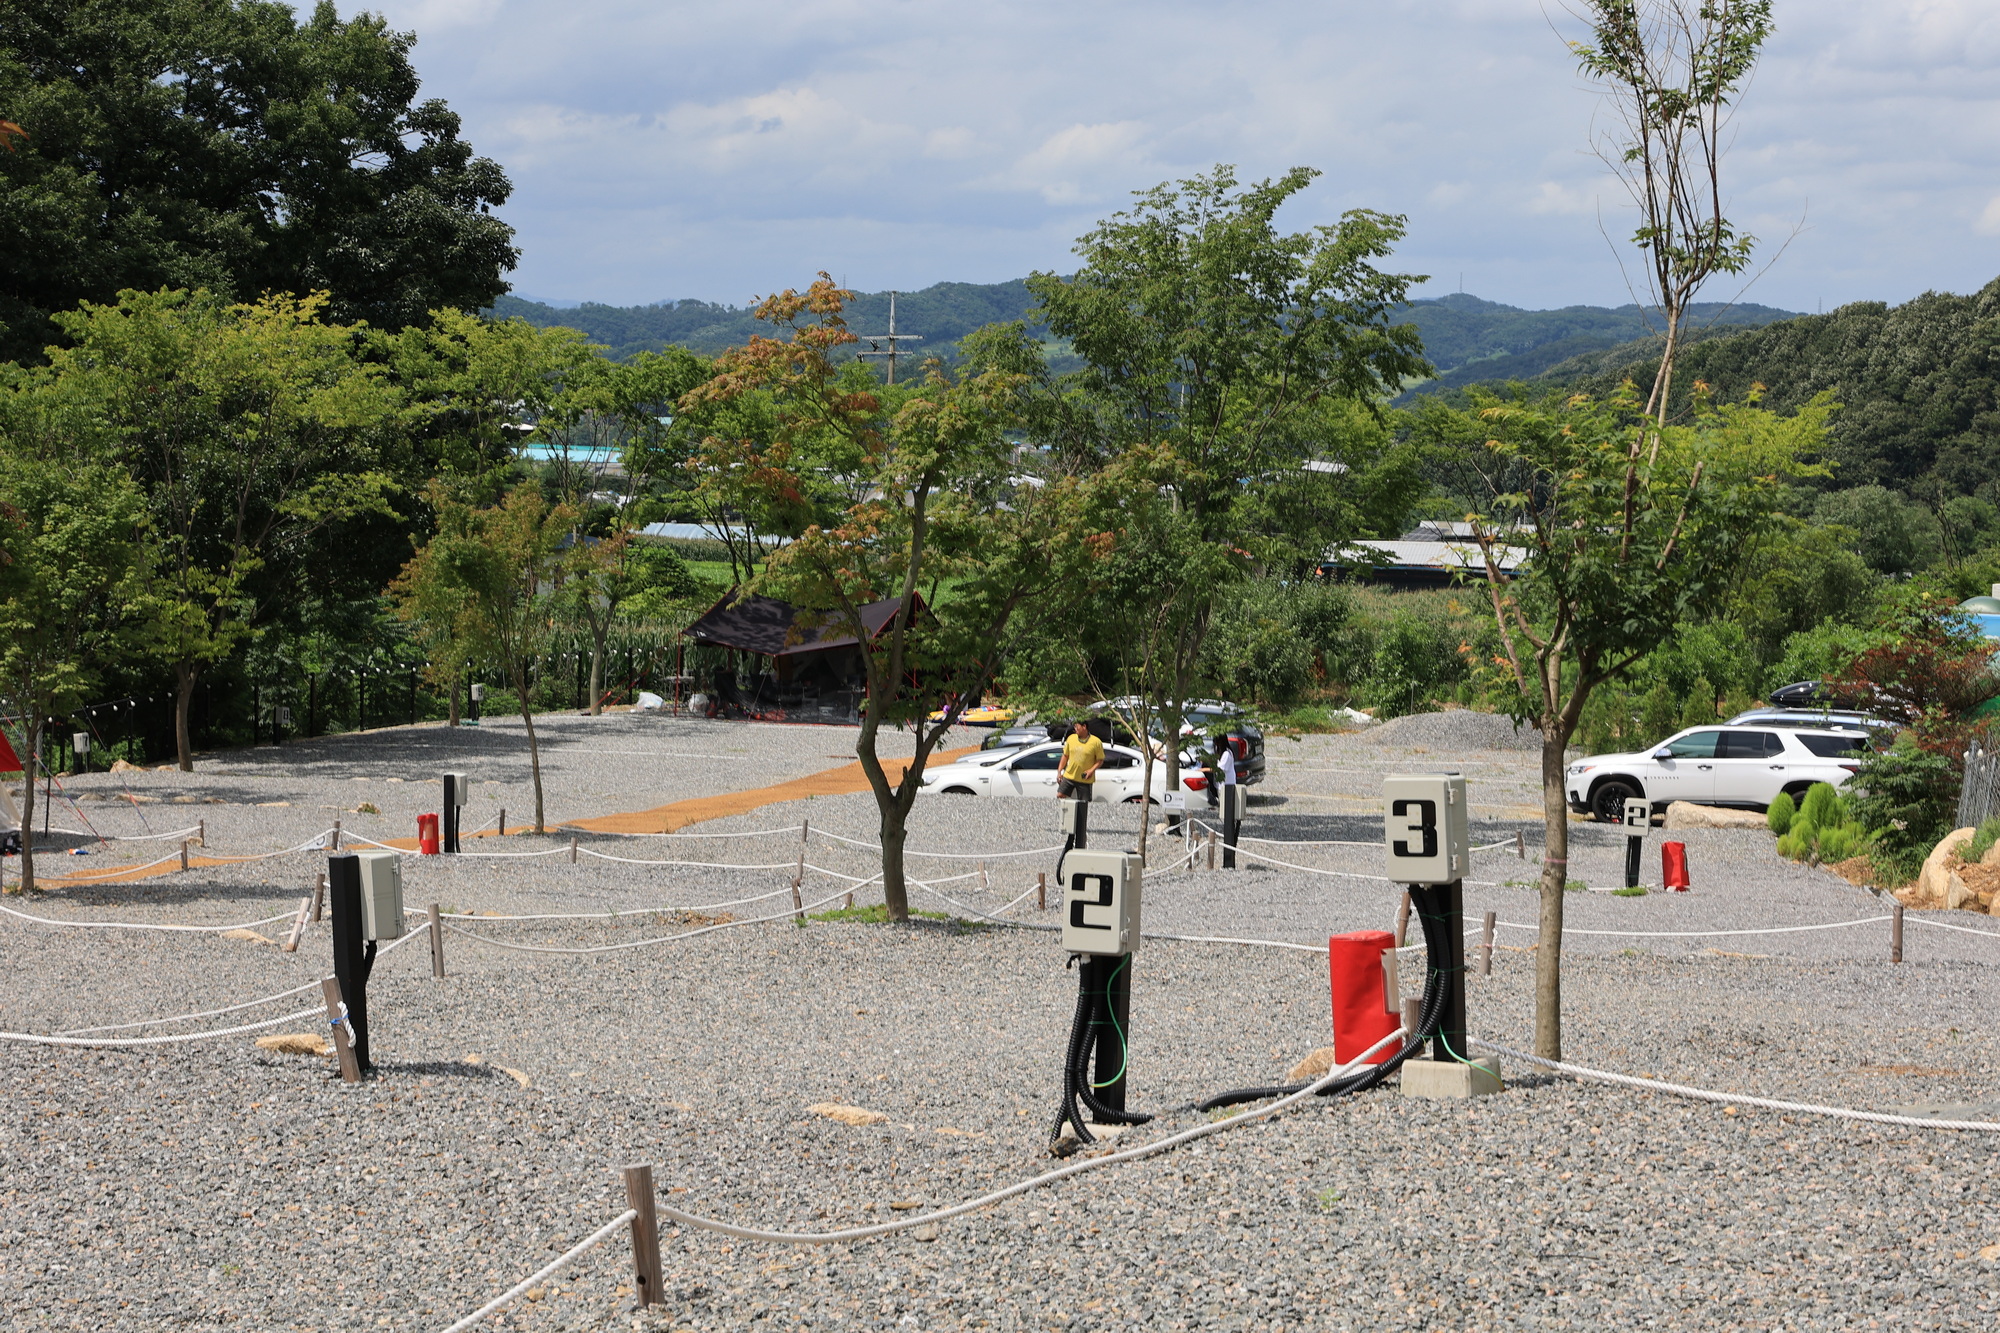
x=647 y=1280
x=350 y=1065
x=319 y=895
x=1896 y=934
x=299 y=924
x=1486 y=945
x=437 y=942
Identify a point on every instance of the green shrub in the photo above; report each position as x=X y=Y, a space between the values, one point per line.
x=1982 y=842
x=1839 y=843
x=1821 y=806
x=1699 y=710
x=1781 y=813
x=1906 y=802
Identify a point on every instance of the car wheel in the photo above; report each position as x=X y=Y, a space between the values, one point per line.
x=1607 y=803
x=1797 y=791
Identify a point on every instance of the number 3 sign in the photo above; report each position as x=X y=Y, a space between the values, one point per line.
x=1426 y=827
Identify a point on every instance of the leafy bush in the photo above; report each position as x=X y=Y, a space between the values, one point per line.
x=1905 y=802
x=1840 y=842
x=1781 y=813
x=1822 y=805
x=1792 y=847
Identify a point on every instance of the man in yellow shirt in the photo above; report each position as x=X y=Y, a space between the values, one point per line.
x=1082 y=755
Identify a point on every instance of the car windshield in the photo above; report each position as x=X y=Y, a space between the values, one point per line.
x=1694 y=745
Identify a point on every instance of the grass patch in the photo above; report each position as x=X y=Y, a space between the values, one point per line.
x=1575 y=886
x=878 y=915
x=1636 y=891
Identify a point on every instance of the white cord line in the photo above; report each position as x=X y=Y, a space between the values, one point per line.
x=521 y=1288
x=234 y=1008
x=990 y=916
x=1707 y=934
x=136 y=925
x=1738 y=1099
x=614 y=914
x=1946 y=925
x=110 y=872
x=132 y=837
x=1348 y=874
x=657 y=939
x=39 y=1040
x=1022 y=1187
x=943 y=856
x=694 y=865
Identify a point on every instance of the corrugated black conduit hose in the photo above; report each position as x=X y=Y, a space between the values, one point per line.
x=1092 y=1008
x=1430 y=917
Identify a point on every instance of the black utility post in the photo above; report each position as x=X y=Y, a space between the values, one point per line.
x=1638 y=818
x=455 y=792
x=1111 y=1024
x=353 y=953
x=1449 y=1044
x=413 y=696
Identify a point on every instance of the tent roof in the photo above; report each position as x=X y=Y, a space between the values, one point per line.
x=770 y=628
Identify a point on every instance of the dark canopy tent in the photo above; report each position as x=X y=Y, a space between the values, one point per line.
x=813 y=657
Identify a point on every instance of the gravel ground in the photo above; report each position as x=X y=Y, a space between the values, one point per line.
x=212 y=1184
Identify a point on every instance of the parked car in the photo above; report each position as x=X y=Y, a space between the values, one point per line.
x=1201 y=721
x=1013 y=738
x=1031 y=771
x=1716 y=765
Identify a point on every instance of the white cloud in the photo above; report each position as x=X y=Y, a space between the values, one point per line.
x=664 y=148
x=1989 y=220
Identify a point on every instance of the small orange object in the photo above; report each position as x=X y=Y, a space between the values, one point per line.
x=427 y=834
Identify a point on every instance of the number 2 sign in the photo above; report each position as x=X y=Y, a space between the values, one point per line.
x=1426 y=827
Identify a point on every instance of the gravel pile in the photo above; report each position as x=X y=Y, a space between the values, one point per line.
x=211 y=1184
x=1455 y=729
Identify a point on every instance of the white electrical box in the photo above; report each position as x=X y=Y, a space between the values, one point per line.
x=457 y=789
x=1073 y=816
x=80 y=742
x=1234 y=801
x=381 y=895
x=1426 y=827
x=1638 y=814
x=1101 y=902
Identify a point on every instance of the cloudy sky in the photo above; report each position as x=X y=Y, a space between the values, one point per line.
x=667 y=149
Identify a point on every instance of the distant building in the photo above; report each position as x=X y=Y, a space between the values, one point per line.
x=1431 y=555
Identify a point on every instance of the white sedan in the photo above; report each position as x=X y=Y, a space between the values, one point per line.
x=1740 y=766
x=1031 y=771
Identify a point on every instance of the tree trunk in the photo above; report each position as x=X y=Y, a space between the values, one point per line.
x=597 y=675
x=186 y=674
x=534 y=750
x=453 y=691
x=29 y=760
x=894 y=814
x=1555 y=876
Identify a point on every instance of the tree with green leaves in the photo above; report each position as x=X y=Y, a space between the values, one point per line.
x=73 y=596
x=1624 y=532
x=252 y=430
x=232 y=145
x=487 y=579
x=941 y=535
x=1226 y=364
x=1671 y=71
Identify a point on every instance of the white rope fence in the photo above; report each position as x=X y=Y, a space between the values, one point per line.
x=548 y=1270
x=141 y=925
x=1737 y=1099
x=1711 y=934
x=1139 y=1153
x=788 y=914
x=128 y=837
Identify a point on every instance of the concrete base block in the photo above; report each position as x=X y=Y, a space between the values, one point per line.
x=1449 y=1078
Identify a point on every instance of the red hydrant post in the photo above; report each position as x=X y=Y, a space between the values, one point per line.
x=427 y=834
x=1363 y=1010
x=1674 y=865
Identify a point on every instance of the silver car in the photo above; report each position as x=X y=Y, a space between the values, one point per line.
x=1716 y=765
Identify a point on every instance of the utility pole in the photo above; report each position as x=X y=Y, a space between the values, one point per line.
x=875 y=340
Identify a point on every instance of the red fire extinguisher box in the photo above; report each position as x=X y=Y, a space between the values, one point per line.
x=1363 y=1010
x=427 y=835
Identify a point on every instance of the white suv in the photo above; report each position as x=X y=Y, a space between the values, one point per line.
x=1725 y=765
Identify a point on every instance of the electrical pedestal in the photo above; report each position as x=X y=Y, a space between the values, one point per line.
x=1449 y=1072
x=353 y=951
x=1638 y=818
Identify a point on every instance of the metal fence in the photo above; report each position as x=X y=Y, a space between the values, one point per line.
x=1979 y=791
